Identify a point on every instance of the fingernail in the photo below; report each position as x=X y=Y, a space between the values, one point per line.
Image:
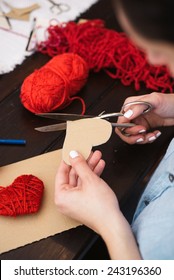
x=128 y=114
x=142 y=131
x=158 y=134
x=152 y=138
x=73 y=154
x=140 y=140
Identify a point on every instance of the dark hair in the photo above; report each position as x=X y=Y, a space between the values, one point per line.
x=153 y=19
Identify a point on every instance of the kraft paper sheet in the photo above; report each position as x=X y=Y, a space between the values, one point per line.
x=22 y=230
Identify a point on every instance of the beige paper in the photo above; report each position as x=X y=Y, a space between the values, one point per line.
x=21 y=13
x=3 y=21
x=21 y=230
x=82 y=135
x=12 y=15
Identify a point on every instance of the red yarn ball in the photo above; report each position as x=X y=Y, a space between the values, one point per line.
x=54 y=85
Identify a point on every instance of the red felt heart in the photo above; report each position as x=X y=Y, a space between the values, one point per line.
x=23 y=196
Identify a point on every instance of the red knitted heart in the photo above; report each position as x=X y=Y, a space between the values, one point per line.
x=23 y=196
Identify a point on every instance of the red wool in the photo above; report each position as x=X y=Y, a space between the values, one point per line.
x=54 y=85
x=23 y=196
x=106 y=49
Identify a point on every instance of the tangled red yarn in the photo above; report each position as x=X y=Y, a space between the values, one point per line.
x=54 y=85
x=23 y=196
x=106 y=49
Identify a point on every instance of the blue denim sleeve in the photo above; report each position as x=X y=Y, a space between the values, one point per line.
x=153 y=222
x=154 y=228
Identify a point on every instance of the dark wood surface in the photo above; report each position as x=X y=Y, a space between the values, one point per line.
x=127 y=167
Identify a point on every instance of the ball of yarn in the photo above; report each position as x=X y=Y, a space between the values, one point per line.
x=55 y=85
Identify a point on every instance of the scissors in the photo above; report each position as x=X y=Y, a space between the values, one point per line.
x=58 y=8
x=73 y=117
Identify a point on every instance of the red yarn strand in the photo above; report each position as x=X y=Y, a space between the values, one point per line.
x=106 y=49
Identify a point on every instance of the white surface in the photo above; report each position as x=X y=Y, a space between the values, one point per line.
x=13 y=43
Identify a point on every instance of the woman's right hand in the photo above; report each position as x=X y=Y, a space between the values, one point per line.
x=144 y=132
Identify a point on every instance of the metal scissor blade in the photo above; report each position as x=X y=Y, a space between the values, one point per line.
x=64 y=117
x=62 y=126
x=124 y=125
x=53 y=127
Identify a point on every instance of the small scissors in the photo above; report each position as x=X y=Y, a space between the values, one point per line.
x=58 y=8
x=72 y=117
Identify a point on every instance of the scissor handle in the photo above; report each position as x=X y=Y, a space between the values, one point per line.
x=138 y=102
x=64 y=7
x=59 y=8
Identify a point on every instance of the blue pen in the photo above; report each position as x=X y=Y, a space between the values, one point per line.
x=13 y=141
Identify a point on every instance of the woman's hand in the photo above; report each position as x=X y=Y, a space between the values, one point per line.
x=162 y=114
x=82 y=195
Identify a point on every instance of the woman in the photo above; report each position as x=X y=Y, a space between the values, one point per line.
x=149 y=24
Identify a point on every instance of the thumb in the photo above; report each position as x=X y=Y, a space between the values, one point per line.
x=135 y=108
x=80 y=165
x=133 y=112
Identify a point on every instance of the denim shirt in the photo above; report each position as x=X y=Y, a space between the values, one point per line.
x=153 y=221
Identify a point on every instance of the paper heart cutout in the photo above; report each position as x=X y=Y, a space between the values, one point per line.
x=82 y=135
x=23 y=196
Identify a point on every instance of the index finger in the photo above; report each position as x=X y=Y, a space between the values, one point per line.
x=62 y=175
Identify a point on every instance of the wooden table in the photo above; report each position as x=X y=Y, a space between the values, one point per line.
x=127 y=169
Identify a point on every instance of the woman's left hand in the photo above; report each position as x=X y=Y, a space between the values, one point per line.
x=82 y=195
